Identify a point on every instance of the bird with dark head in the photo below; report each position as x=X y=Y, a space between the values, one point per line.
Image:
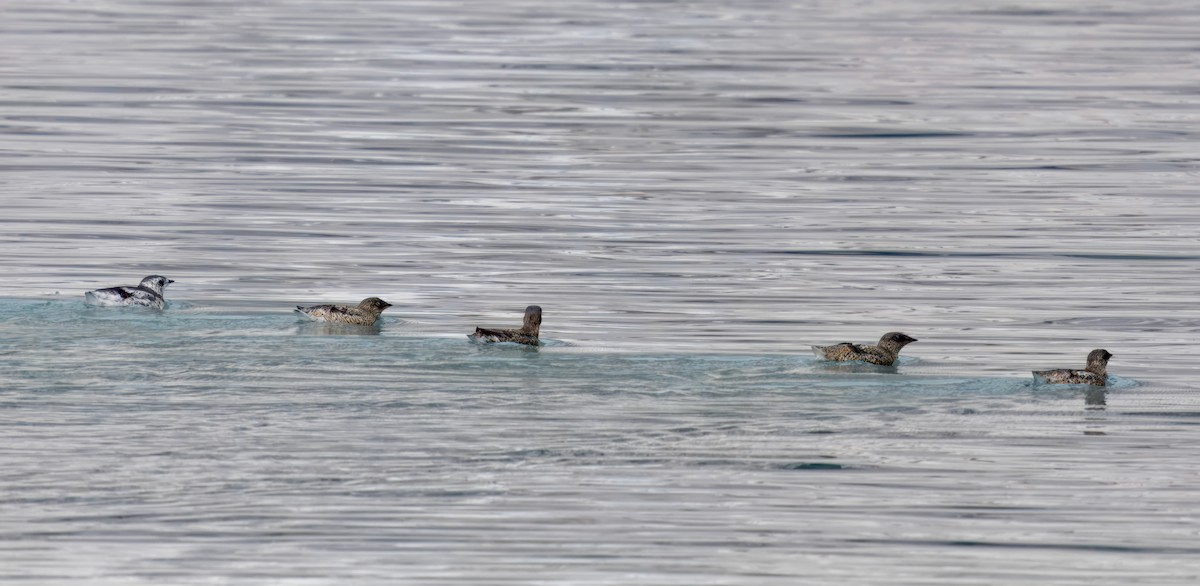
x=1095 y=373
x=366 y=313
x=527 y=334
x=884 y=353
x=148 y=293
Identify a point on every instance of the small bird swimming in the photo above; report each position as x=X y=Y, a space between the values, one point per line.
x=366 y=313
x=148 y=293
x=1095 y=373
x=883 y=354
x=526 y=334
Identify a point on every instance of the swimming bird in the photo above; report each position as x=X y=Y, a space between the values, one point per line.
x=883 y=354
x=1095 y=373
x=148 y=293
x=526 y=334
x=366 y=313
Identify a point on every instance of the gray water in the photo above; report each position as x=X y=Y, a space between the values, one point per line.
x=695 y=192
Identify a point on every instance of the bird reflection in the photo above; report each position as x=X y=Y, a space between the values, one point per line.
x=853 y=368
x=332 y=329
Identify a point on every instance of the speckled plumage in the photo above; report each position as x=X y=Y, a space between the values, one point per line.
x=883 y=354
x=526 y=334
x=366 y=313
x=148 y=293
x=1095 y=373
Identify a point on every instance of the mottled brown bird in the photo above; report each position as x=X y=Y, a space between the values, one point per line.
x=1095 y=373
x=365 y=314
x=883 y=354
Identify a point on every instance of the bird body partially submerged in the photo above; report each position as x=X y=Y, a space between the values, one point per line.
x=366 y=313
x=527 y=334
x=148 y=293
x=1095 y=373
x=884 y=353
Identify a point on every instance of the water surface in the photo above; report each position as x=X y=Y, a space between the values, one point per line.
x=695 y=192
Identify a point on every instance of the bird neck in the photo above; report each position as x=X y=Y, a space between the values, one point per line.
x=890 y=347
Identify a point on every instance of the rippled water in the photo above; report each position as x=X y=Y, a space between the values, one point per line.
x=695 y=192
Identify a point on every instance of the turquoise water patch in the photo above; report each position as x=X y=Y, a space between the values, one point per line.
x=54 y=342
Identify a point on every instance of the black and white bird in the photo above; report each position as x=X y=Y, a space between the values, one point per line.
x=148 y=293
